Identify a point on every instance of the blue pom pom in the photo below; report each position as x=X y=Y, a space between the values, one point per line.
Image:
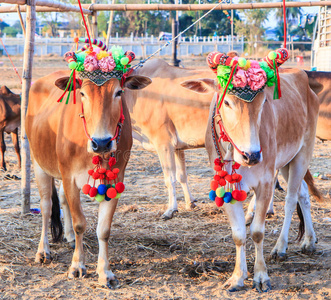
x=102 y=189
x=212 y=195
x=227 y=197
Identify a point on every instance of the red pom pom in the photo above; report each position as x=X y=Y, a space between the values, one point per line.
x=76 y=39
x=217 y=168
x=222 y=173
x=228 y=178
x=116 y=170
x=217 y=161
x=236 y=177
x=112 y=161
x=219 y=201
x=101 y=176
x=214 y=185
x=96 y=160
x=110 y=175
x=102 y=170
x=86 y=189
x=120 y=187
x=222 y=182
x=93 y=192
x=95 y=175
x=217 y=177
x=111 y=193
x=236 y=194
x=243 y=196
x=236 y=166
x=90 y=172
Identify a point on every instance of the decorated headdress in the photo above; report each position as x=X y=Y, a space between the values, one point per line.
x=246 y=78
x=96 y=63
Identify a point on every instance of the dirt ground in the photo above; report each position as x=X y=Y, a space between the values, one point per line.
x=188 y=257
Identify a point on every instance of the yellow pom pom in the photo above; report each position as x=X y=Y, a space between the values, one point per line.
x=242 y=62
x=248 y=65
x=102 y=54
x=272 y=55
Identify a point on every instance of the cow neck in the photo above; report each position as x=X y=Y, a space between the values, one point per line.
x=118 y=127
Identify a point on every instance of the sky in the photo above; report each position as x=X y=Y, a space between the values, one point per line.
x=12 y=17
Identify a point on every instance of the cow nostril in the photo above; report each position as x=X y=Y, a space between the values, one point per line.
x=108 y=146
x=94 y=145
x=245 y=156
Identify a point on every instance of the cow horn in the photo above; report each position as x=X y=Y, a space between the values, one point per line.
x=280 y=56
x=216 y=58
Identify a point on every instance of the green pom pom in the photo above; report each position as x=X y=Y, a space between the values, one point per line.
x=124 y=61
x=220 y=192
x=223 y=75
x=80 y=67
x=118 y=196
x=72 y=65
x=272 y=55
x=80 y=56
x=99 y=198
x=242 y=62
x=233 y=201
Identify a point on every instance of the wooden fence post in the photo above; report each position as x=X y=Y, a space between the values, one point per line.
x=27 y=76
x=95 y=22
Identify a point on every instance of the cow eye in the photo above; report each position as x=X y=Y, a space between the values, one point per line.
x=82 y=94
x=226 y=103
x=119 y=93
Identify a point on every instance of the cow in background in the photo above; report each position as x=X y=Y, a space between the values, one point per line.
x=10 y=120
x=168 y=119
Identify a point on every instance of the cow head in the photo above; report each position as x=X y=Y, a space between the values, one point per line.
x=241 y=120
x=102 y=106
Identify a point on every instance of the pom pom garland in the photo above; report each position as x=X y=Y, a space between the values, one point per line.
x=109 y=187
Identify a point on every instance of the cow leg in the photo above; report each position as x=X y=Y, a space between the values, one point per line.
x=14 y=137
x=250 y=210
x=181 y=177
x=2 y=150
x=69 y=234
x=308 y=244
x=236 y=216
x=264 y=194
x=167 y=159
x=44 y=183
x=293 y=174
x=106 y=212
x=77 y=268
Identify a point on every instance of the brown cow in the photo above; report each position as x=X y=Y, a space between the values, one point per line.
x=285 y=131
x=60 y=149
x=168 y=119
x=10 y=120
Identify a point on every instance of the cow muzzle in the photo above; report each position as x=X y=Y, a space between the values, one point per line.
x=251 y=159
x=101 y=145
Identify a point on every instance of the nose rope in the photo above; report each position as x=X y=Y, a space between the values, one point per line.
x=118 y=127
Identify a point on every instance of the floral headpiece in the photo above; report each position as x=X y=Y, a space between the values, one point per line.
x=246 y=78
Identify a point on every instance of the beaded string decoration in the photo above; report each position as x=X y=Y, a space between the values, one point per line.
x=244 y=79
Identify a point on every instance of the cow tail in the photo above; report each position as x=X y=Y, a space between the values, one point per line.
x=301 y=231
x=312 y=187
x=56 y=224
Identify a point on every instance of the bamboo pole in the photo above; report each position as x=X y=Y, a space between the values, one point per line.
x=21 y=19
x=94 y=21
x=20 y=2
x=193 y=7
x=110 y=25
x=27 y=76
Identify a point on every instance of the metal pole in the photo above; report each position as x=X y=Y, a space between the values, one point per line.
x=26 y=83
x=175 y=25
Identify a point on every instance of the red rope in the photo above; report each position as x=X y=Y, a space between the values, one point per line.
x=88 y=34
x=11 y=60
x=284 y=15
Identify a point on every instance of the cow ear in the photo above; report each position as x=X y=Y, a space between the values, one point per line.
x=5 y=90
x=137 y=82
x=202 y=86
x=62 y=82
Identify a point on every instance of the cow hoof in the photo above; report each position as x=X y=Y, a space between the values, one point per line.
x=262 y=287
x=43 y=258
x=191 y=206
x=76 y=272
x=113 y=283
x=278 y=256
x=169 y=215
x=270 y=215
x=72 y=244
x=236 y=288
x=308 y=249
x=234 y=284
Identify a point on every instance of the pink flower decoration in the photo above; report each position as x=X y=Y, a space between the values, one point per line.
x=256 y=78
x=239 y=79
x=107 y=64
x=255 y=64
x=91 y=63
